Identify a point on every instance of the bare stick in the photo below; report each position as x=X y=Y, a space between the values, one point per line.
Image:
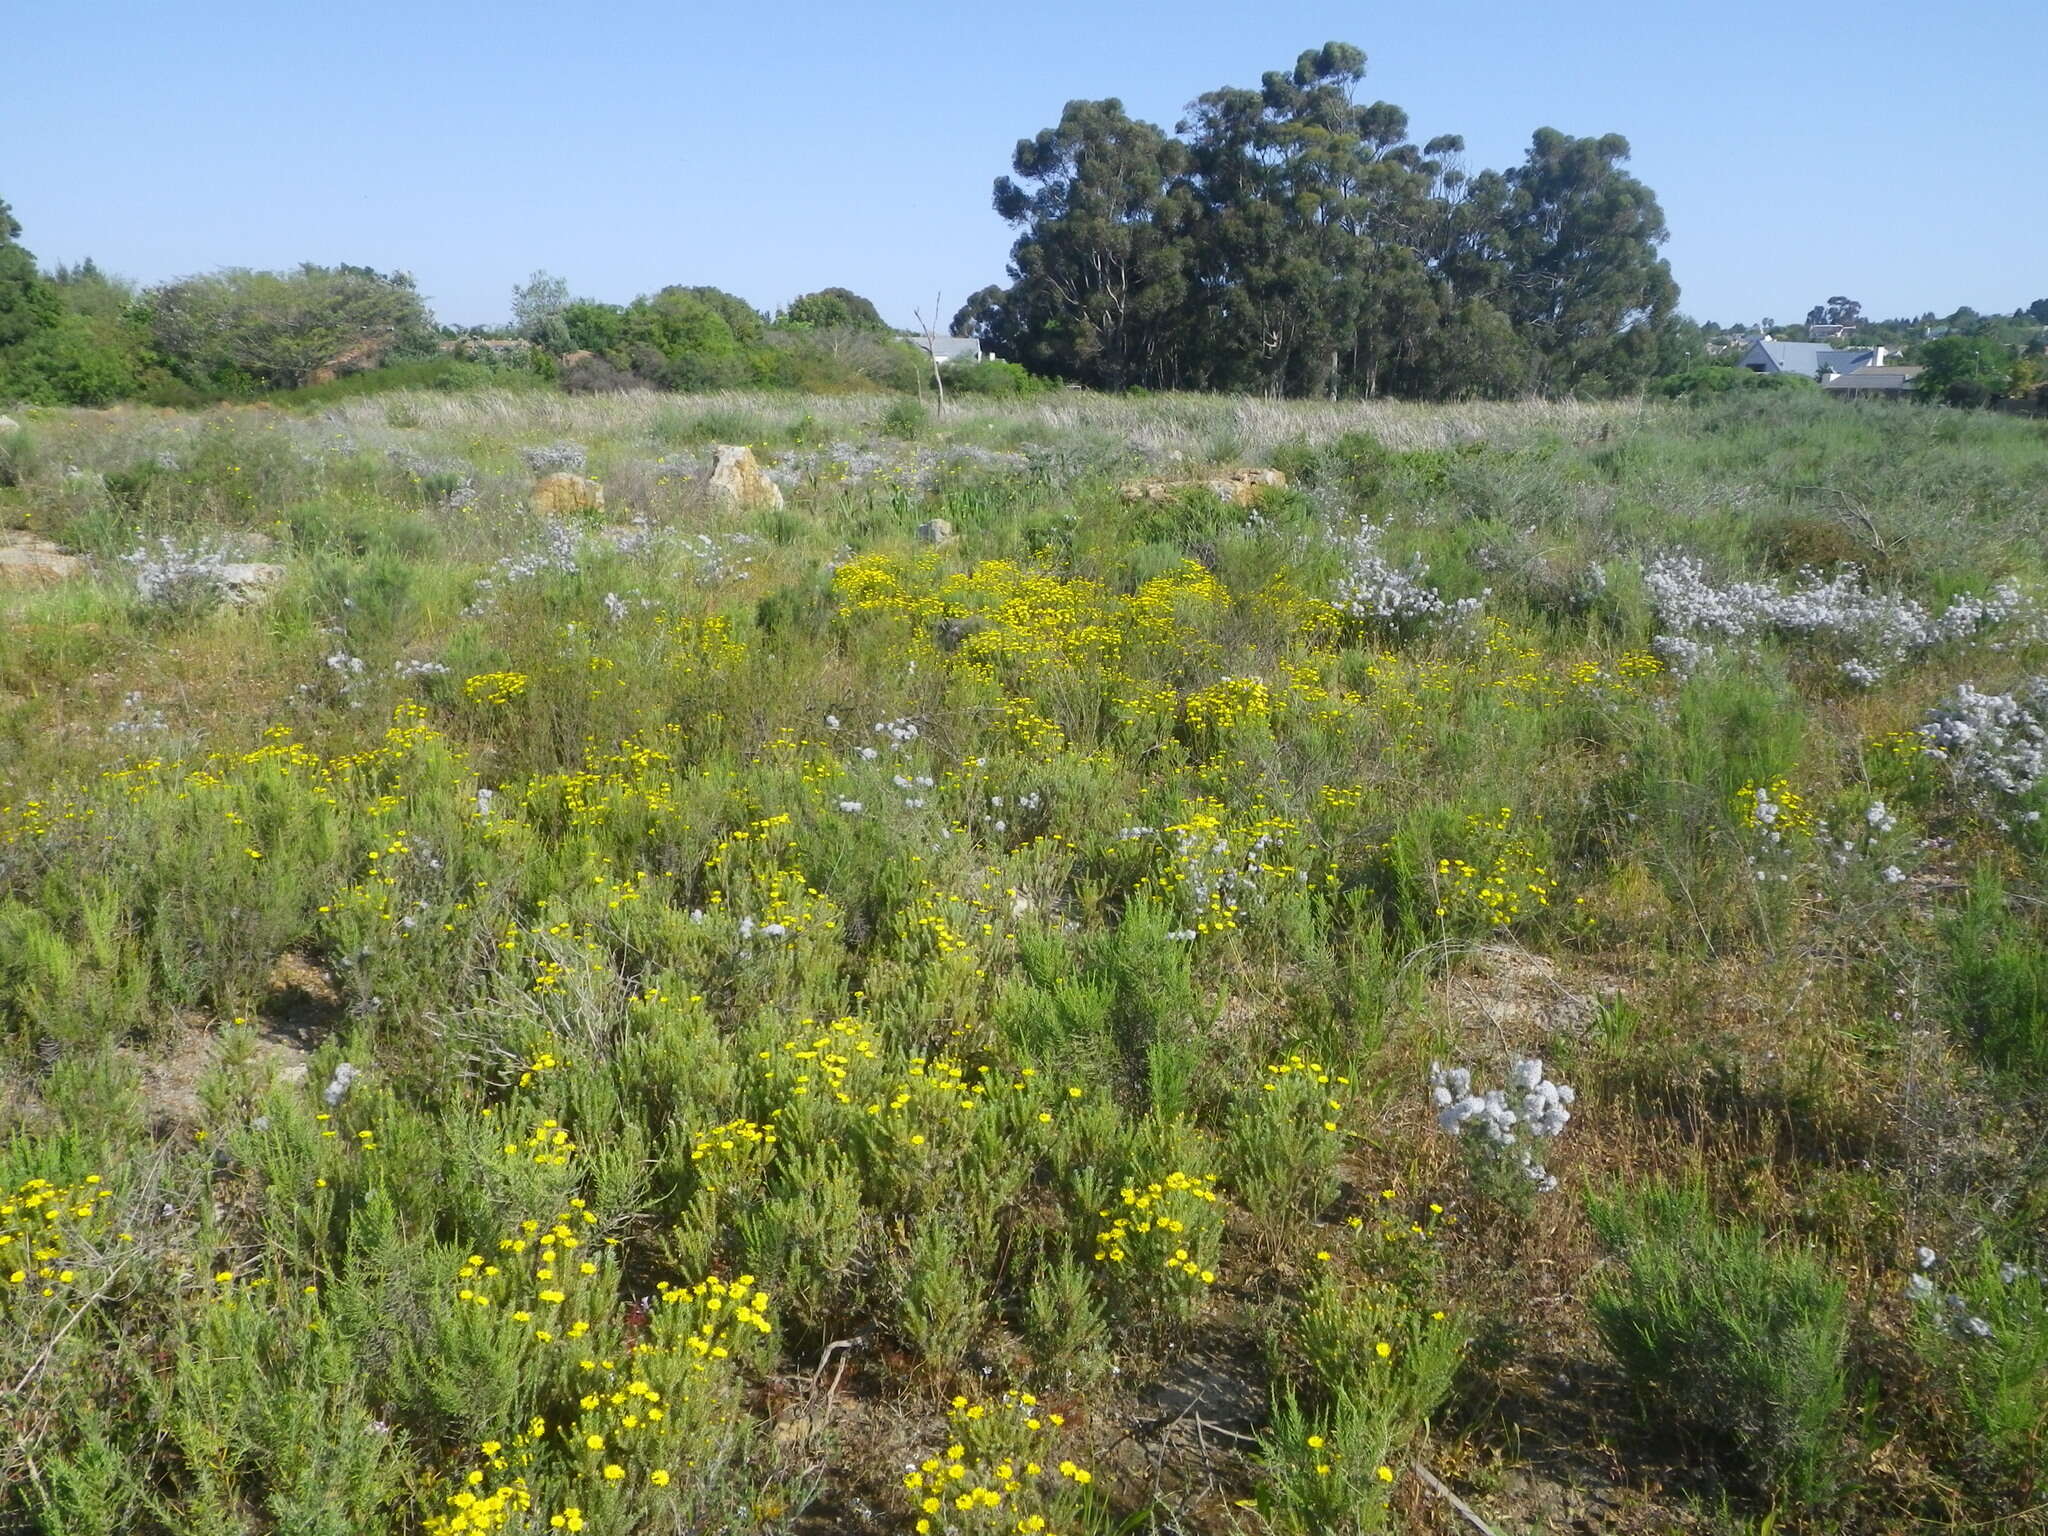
x=1436 y=1486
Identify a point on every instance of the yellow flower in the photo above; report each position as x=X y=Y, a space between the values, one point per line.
x=658 y=1477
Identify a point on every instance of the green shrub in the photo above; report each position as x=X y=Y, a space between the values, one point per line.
x=906 y=420
x=1983 y=1335
x=1736 y=1343
x=993 y=376
x=1720 y=378
x=1998 y=981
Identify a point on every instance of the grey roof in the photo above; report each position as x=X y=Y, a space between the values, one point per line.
x=1808 y=357
x=948 y=349
x=1890 y=378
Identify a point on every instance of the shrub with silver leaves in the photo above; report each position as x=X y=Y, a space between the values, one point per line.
x=1994 y=743
x=1883 y=628
x=1385 y=596
x=1498 y=1125
x=179 y=576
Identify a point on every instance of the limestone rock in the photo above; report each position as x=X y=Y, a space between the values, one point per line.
x=938 y=531
x=563 y=495
x=736 y=478
x=8 y=424
x=1239 y=487
x=30 y=560
x=249 y=582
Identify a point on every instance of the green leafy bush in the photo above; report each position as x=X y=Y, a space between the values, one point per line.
x=1734 y=1341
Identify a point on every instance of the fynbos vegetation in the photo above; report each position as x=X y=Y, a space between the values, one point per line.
x=980 y=999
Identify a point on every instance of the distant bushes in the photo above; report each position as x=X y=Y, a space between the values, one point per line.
x=1720 y=378
x=446 y=374
x=992 y=376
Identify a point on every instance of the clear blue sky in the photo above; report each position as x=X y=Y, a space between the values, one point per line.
x=1894 y=150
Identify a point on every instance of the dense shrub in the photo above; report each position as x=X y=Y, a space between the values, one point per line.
x=1719 y=378
x=1734 y=1341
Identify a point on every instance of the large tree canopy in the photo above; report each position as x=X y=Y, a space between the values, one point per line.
x=1290 y=239
x=28 y=302
x=277 y=329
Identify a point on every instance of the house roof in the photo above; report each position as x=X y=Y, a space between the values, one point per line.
x=947 y=348
x=1809 y=357
x=1890 y=377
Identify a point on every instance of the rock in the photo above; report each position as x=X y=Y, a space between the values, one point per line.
x=9 y=424
x=736 y=478
x=938 y=531
x=1239 y=487
x=30 y=560
x=563 y=495
x=249 y=582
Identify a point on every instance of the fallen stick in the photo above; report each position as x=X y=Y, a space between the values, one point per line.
x=1437 y=1486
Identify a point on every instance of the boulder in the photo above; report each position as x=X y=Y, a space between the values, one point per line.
x=1239 y=487
x=8 y=424
x=563 y=495
x=249 y=582
x=737 y=479
x=30 y=560
x=938 y=531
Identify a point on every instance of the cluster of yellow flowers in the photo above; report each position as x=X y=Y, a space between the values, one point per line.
x=732 y=1153
x=45 y=1229
x=1775 y=807
x=557 y=1283
x=1020 y=625
x=1298 y=1069
x=1227 y=704
x=755 y=878
x=1513 y=883
x=645 y=1414
x=1172 y=1226
x=1214 y=861
x=494 y=687
x=1002 y=1473
x=546 y=1144
x=698 y=648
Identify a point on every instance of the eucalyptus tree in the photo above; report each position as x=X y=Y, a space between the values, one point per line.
x=1098 y=274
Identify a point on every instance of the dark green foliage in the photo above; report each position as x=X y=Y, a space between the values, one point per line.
x=992 y=376
x=237 y=330
x=28 y=302
x=1964 y=370
x=831 y=309
x=1735 y=1342
x=1999 y=982
x=1288 y=240
x=1719 y=378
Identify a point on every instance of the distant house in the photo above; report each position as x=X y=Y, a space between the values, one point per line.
x=948 y=349
x=1892 y=382
x=1830 y=332
x=1808 y=359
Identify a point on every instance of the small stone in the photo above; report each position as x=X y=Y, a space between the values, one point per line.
x=564 y=494
x=937 y=531
x=9 y=424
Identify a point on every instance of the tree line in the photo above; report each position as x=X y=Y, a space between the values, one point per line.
x=1288 y=239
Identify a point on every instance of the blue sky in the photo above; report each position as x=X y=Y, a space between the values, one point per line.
x=1896 y=152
